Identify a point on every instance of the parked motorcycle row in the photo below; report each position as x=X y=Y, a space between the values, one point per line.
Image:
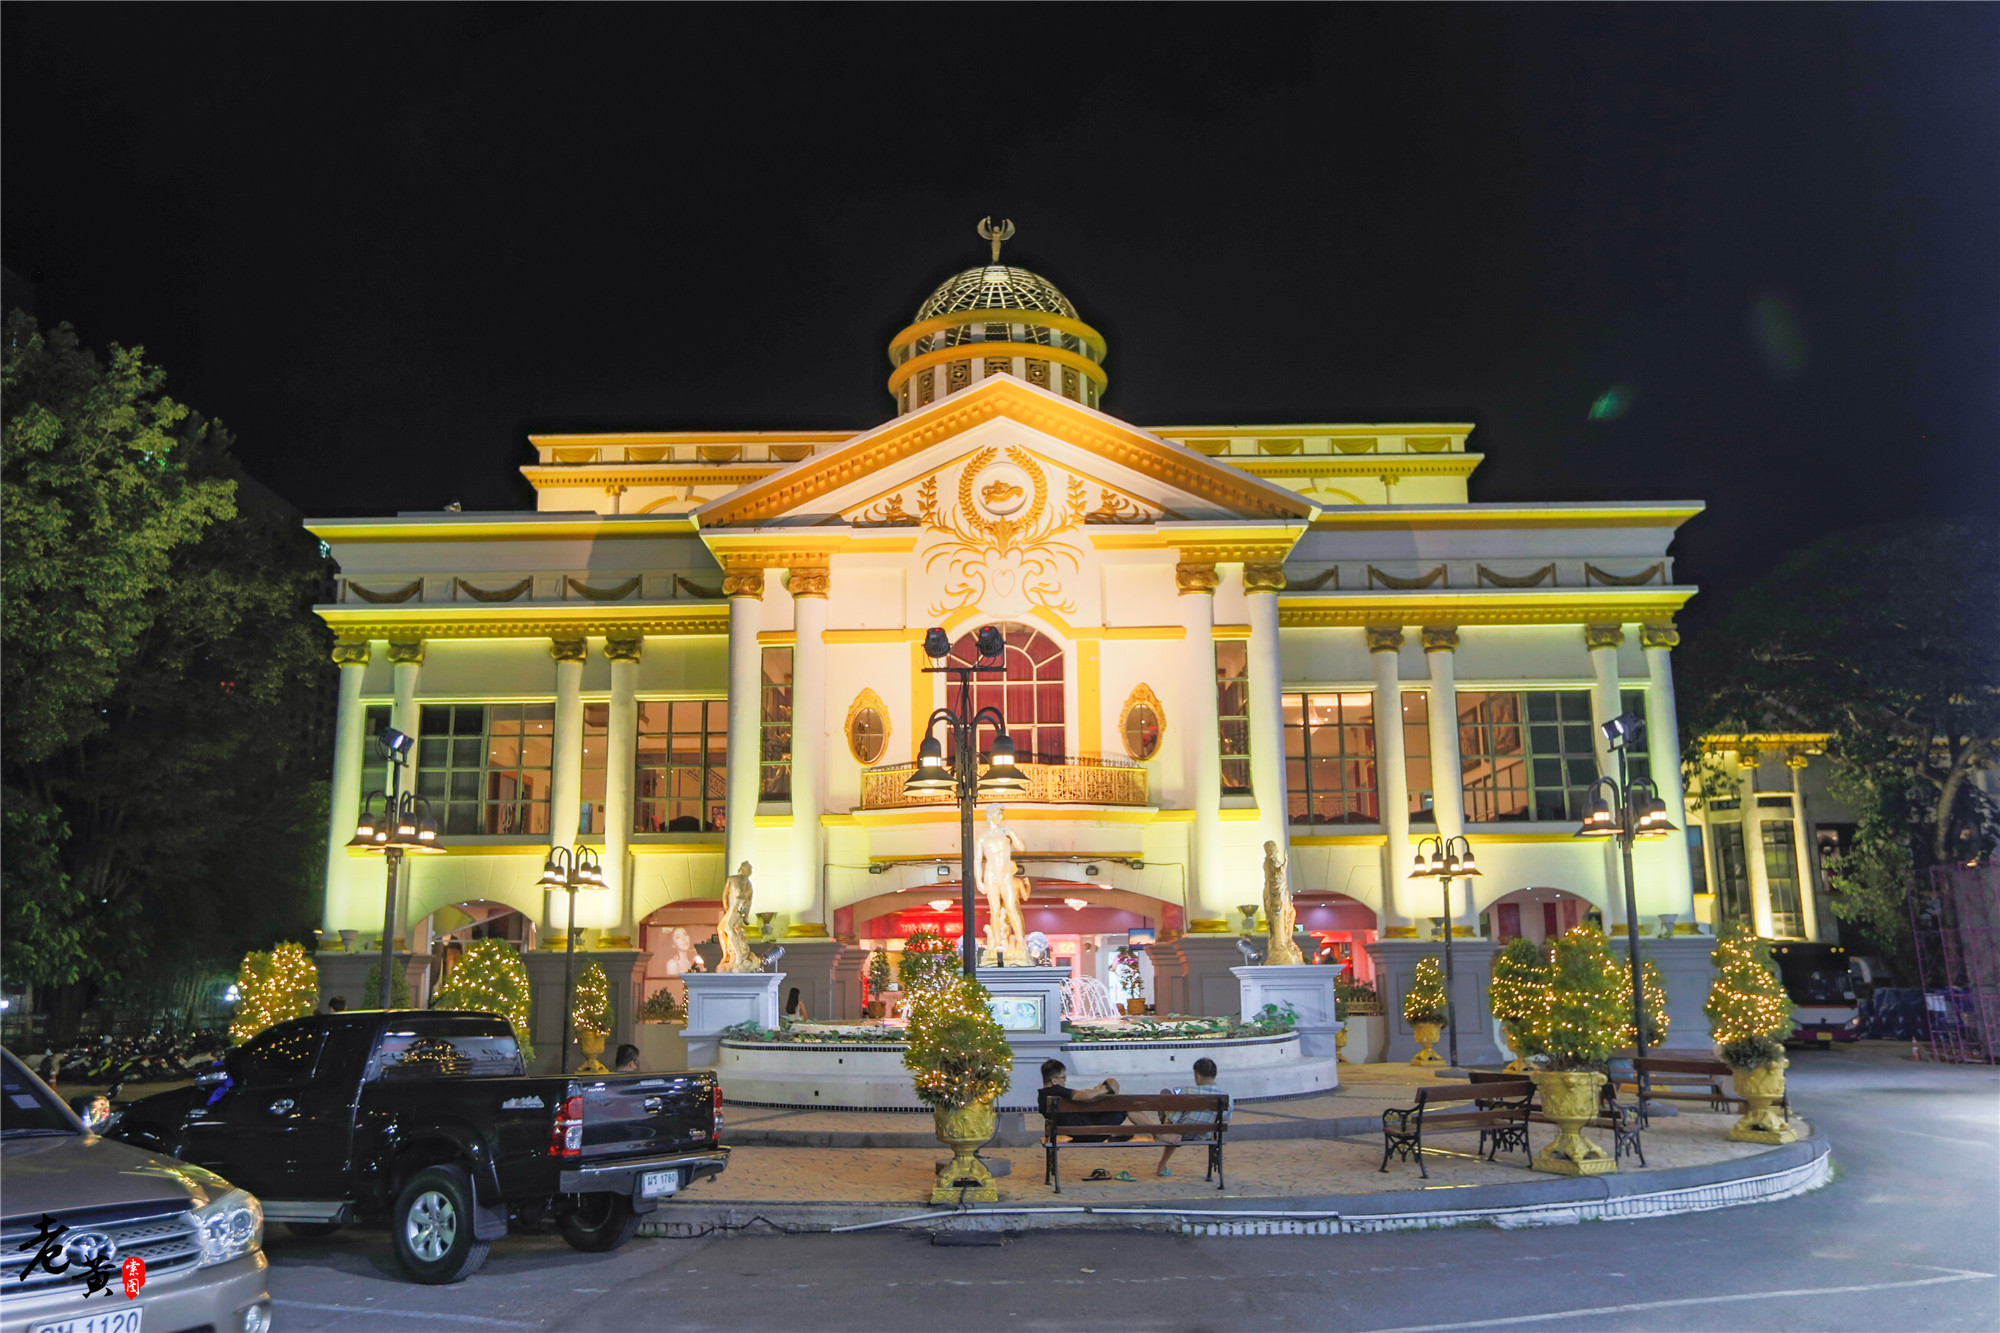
x=114 y=1061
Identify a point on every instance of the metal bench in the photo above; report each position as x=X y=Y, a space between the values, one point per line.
x=1125 y=1135
x=1499 y=1111
x=1689 y=1080
x=1622 y=1120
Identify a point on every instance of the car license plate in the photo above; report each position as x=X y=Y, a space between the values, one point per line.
x=99 y=1321
x=652 y=1184
x=1826 y=1037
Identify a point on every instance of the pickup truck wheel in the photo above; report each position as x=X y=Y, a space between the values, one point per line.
x=594 y=1223
x=431 y=1227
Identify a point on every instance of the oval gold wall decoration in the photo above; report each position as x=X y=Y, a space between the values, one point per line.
x=1142 y=723
x=867 y=728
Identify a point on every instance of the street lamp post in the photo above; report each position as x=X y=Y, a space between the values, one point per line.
x=569 y=870
x=960 y=775
x=1449 y=859
x=405 y=825
x=1634 y=810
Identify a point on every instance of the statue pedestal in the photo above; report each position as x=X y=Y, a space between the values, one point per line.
x=1027 y=1001
x=718 y=1000
x=1308 y=988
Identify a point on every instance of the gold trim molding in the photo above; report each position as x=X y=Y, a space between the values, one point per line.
x=1603 y=636
x=1195 y=576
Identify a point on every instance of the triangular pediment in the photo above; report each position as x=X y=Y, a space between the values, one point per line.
x=997 y=438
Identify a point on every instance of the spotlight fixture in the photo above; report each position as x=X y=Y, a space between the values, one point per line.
x=1091 y=871
x=989 y=641
x=1076 y=904
x=939 y=904
x=936 y=643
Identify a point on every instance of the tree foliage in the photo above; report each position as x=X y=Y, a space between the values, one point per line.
x=1584 y=1011
x=930 y=962
x=591 y=1013
x=955 y=1048
x=273 y=988
x=1748 y=1011
x=164 y=679
x=1520 y=975
x=1425 y=1000
x=490 y=979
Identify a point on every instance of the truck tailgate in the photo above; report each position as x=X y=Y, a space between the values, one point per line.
x=638 y=1115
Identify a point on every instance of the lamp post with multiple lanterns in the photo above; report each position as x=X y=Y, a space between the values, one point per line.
x=570 y=870
x=959 y=774
x=404 y=825
x=1449 y=859
x=1634 y=810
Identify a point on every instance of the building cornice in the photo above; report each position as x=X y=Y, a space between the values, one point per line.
x=1357 y=465
x=518 y=621
x=1410 y=518
x=1489 y=606
x=529 y=526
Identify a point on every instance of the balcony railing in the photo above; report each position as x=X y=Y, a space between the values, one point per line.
x=1073 y=782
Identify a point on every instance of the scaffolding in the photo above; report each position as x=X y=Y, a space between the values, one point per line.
x=1955 y=922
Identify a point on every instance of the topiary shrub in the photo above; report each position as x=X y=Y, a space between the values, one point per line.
x=490 y=979
x=1748 y=1011
x=955 y=1047
x=399 y=989
x=1654 y=987
x=1520 y=977
x=878 y=974
x=591 y=1013
x=1425 y=1001
x=1582 y=1015
x=930 y=963
x=273 y=988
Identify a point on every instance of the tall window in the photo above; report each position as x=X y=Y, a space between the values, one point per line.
x=1697 y=860
x=1232 y=714
x=1523 y=754
x=1029 y=695
x=1417 y=756
x=682 y=785
x=1330 y=758
x=1491 y=755
x=596 y=742
x=1781 y=873
x=1732 y=873
x=374 y=760
x=485 y=767
x=775 y=726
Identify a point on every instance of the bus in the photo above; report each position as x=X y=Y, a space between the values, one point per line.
x=1820 y=981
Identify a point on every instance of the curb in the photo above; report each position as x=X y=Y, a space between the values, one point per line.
x=1785 y=1171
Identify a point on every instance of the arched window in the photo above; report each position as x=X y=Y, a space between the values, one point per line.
x=1029 y=696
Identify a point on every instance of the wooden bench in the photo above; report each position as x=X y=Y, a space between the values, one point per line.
x=1703 y=1080
x=1623 y=1121
x=1125 y=1135
x=1499 y=1111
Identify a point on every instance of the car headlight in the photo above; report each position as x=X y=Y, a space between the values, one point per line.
x=229 y=1227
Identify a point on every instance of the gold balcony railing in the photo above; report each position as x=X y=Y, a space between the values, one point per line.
x=1076 y=782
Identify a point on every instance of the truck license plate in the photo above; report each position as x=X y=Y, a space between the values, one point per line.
x=105 y=1321
x=652 y=1184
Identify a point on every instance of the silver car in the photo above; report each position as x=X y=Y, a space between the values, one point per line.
x=77 y=1207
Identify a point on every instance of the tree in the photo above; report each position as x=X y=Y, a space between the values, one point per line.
x=1520 y=976
x=1584 y=1011
x=1425 y=1000
x=955 y=1049
x=1748 y=1010
x=1888 y=637
x=1654 y=988
x=591 y=1012
x=273 y=988
x=165 y=681
x=490 y=979
x=399 y=988
x=930 y=962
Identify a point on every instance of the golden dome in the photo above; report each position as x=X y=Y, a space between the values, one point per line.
x=996 y=287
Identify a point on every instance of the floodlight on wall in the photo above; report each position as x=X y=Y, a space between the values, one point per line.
x=1627 y=729
x=990 y=641
x=936 y=643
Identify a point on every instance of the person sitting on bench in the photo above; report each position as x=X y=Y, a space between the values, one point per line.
x=1204 y=1081
x=1055 y=1092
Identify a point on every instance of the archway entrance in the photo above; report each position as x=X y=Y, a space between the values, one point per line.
x=1537 y=914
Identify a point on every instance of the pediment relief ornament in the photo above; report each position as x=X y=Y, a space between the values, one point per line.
x=1003 y=537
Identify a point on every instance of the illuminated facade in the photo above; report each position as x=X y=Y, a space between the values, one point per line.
x=705 y=648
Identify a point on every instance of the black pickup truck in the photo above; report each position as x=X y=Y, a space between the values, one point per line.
x=429 y=1118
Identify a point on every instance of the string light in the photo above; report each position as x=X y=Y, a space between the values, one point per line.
x=1748 y=1010
x=591 y=1013
x=273 y=988
x=955 y=1049
x=930 y=962
x=1425 y=1001
x=1575 y=1020
x=1654 y=988
x=1520 y=979
x=490 y=979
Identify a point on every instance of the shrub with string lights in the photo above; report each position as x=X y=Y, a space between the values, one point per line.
x=1748 y=1010
x=1520 y=975
x=930 y=963
x=955 y=1047
x=591 y=1013
x=1578 y=1020
x=1654 y=988
x=1425 y=1000
x=490 y=979
x=273 y=988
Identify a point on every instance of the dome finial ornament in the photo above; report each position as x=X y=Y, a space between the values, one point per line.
x=999 y=235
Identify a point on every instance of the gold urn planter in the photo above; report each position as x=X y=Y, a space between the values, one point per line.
x=1569 y=1098
x=1513 y=1040
x=965 y=1130
x=1340 y=1046
x=592 y=1046
x=1763 y=1122
x=1427 y=1035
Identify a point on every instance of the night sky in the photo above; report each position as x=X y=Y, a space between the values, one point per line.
x=384 y=243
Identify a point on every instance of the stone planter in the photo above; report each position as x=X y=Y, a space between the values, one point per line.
x=592 y=1046
x=1569 y=1098
x=1427 y=1035
x=1763 y=1122
x=965 y=1130
x=1513 y=1040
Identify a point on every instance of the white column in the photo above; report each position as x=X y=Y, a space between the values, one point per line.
x=406 y=716
x=1392 y=781
x=566 y=778
x=349 y=740
x=1262 y=583
x=1673 y=890
x=620 y=742
x=1801 y=844
x=745 y=590
x=1753 y=846
x=809 y=585
x=1447 y=772
x=1203 y=746
x=1605 y=704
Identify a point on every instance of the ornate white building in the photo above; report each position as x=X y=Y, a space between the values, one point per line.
x=706 y=647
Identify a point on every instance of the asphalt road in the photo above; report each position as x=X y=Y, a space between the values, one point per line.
x=1907 y=1238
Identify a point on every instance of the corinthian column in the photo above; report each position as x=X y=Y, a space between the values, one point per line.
x=1447 y=772
x=349 y=738
x=1663 y=741
x=1607 y=703
x=745 y=590
x=809 y=586
x=1207 y=892
x=1262 y=584
x=566 y=781
x=406 y=716
x=620 y=743
x=1392 y=775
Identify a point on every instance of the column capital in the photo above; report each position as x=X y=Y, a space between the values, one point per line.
x=568 y=650
x=1264 y=578
x=1196 y=576
x=1667 y=635
x=1384 y=638
x=351 y=652
x=810 y=580
x=1603 y=636
x=1795 y=759
x=623 y=650
x=406 y=652
x=744 y=583
x=1440 y=638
